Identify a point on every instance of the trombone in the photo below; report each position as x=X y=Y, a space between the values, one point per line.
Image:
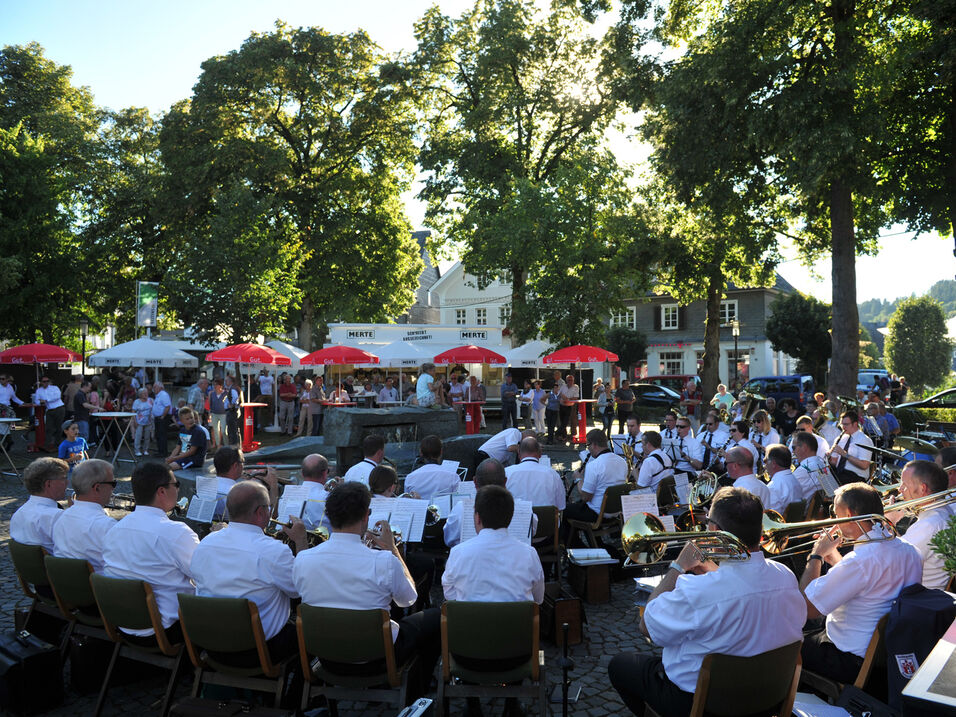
x=645 y=541
x=777 y=533
x=915 y=506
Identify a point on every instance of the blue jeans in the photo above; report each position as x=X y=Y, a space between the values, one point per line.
x=84 y=427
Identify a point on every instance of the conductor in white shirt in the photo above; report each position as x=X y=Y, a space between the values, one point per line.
x=82 y=528
x=431 y=478
x=740 y=468
x=373 y=450
x=529 y=480
x=784 y=488
x=741 y=607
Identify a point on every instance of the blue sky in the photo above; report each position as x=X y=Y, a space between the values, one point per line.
x=148 y=54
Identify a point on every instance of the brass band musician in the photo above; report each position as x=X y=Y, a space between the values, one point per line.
x=82 y=528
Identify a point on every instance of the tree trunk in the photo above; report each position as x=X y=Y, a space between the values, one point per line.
x=951 y=164
x=710 y=371
x=521 y=332
x=305 y=327
x=844 y=322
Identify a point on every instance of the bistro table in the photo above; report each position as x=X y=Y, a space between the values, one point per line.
x=472 y=415
x=124 y=434
x=9 y=422
x=249 y=443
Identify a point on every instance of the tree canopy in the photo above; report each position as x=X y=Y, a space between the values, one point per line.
x=917 y=346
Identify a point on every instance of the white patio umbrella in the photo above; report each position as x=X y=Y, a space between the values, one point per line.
x=400 y=354
x=529 y=355
x=145 y=352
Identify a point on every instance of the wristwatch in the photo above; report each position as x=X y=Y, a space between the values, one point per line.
x=815 y=557
x=676 y=566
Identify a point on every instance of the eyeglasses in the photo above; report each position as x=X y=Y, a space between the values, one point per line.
x=683 y=425
x=166 y=485
x=112 y=483
x=709 y=423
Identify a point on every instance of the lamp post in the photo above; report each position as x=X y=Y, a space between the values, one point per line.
x=735 y=330
x=84 y=327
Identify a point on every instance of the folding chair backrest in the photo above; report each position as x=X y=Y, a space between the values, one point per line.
x=769 y=677
x=70 y=579
x=28 y=562
x=122 y=602
x=612 y=498
x=795 y=511
x=490 y=630
x=217 y=624
x=547 y=522
x=667 y=491
x=875 y=655
x=341 y=635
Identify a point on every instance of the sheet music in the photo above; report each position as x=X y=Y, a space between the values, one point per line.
x=201 y=509
x=444 y=504
x=520 y=527
x=207 y=486
x=826 y=481
x=468 y=487
x=682 y=485
x=545 y=460
x=411 y=513
x=450 y=465
x=380 y=509
x=668 y=521
x=642 y=503
x=670 y=447
x=292 y=502
x=467 y=519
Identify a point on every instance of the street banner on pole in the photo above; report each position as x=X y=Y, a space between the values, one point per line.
x=147 y=303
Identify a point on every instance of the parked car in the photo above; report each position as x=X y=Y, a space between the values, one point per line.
x=943 y=399
x=674 y=383
x=649 y=395
x=797 y=387
x=867 y=377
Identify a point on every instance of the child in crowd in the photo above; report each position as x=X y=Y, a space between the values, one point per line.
x=143 y=408
x=74 y=447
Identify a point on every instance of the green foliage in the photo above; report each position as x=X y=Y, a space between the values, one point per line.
x=630 y=345
x=869 y=355
x=944 y=545
x=799 y=326
x=917 y=346
x=880 y=310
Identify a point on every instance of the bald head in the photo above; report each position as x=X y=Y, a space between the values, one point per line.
x=529 y=447
x=740 y=462
x=315 y=467
x=244 y=500
x=490 y=472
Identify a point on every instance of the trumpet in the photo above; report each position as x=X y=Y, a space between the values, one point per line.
x=645 y=541
x=314 y=537
x=777 y=533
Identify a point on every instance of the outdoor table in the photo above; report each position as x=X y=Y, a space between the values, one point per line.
x=9 y=421
x=365 y=398
x=472 y=415
x=124 y=434
x=582 y=413
x=249 y=425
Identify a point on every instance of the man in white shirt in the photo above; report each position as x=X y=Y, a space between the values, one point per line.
x=48 y=396
x=315 y=474
x=920 y=479
x=529 y=480
x=503 y=446
x=858 y=589
x=601 y=472
x=240 y=561
x=633 y=437
x=344 y=573
x=784 y=488
x=810 y=467
x=656 y=465
x=709 y=441
x=32 y=523
x=431 y=478
x=686 y=446
x=669 y=429
x=740 y=468
x=162 y=408
x=762 y=435
x=146 y=545
x=946 y=459
x=805 y=425
x=849 y=458
x=373 y=448
x=82 y=528
x=388 y=394
x=741 y=607
x=8 y=397
x=493 y=566
x=570 y=393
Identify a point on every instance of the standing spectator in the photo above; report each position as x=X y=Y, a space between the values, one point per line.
x=553 y=410
x=196 y=398
x=50 y=398
x=388 y=393
x=162 y=406
x=527 y=401
x=83 y=407
x=509 y=403
x=604 y=408
x=318 y=410
x=305 y=410
x=8 y=396
x=69 y=393
x=570 y=394
x=538 y=407
x=233 y=409
x=456 y=389
x=625 y=405
x=475 y=391
x=690 y=400
x=217 y=412
x=287 y=396
x=143 y=408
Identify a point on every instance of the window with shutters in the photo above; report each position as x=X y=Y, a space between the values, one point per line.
x=670 y=317
x=481 y=317
x=728 y=311
x=460 y=317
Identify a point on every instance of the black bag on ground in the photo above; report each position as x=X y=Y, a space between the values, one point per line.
x=31 y=675
x=197 y=707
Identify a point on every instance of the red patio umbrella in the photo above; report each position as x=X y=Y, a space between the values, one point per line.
x=250 y=353
x=39 y=353
x=470 y=354
x=580 y=354
x=337 y=356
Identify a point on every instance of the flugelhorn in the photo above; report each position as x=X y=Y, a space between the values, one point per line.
x=777 y=533
x=645 y=541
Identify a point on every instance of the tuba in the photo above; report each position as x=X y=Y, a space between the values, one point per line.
x=645 y=541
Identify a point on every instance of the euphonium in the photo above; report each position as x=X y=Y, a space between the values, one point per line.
x=777 y=533
x=644 y=540
x=703 y=489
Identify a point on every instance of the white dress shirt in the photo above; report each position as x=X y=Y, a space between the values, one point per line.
x=655 y=467
x=360 y=471
x=749 y=446
x=919 y=534
x=756 y=486
x=497 y=446
x=223 y=486
x=431 y=480
x=161 y=402
x=762 y=440
x=147 y=545
x=708 y=443
x=856 y=592
x=822 y=446
x=452 y=529
x=314 y=515
x=830 y=431
x=343 y=572
x=50 y=394
x=81 y=533
x=743 y=608
x=529 y=480
x=690 y=446
x=634 y=442
x=8 y=396
x=32 y=523
x=854 y=445
x=807 y=474
x=601 y=473
x=784 y=490
x=240 y=561
x=493 y=567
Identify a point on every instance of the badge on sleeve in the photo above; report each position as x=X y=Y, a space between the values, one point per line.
x=908 y=664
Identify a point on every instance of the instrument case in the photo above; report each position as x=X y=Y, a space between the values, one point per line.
x=31 y=674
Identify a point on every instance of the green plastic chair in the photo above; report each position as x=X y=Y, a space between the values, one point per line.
x=31 y=571
x=70 y=581
x=349 y=636
x=229 y=625
x=493 y=632
x=131 y=604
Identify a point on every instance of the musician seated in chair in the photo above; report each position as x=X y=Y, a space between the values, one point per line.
x=741 y=607
x=633 y=437
x=920 y=479
x=373 y=452
x=241 y=561
x=431 y=478
x=709 y=441
x=32 y=523
x=656 y=465
x=859 y=587
x=601 y=472
x=343 y=572
x=530 y=480
x=784 y=488
x=849 y=457
x=740 y=469
x=82 y=528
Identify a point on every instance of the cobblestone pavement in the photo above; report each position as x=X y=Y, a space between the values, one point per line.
x=611 y=628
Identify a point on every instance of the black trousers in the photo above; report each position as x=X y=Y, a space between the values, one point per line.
x=622 y=417
x=551 y=420
x=640 y=681
x=575 y=511
x=820 y=655
x=509 y=415
x=161 y=423
x=565 y=413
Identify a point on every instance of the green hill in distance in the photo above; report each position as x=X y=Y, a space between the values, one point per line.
x=879 y=311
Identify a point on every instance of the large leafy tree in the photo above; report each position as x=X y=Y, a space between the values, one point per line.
x=917 y=345
x=799 y=326
x=517 y=100
x=313 y=131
